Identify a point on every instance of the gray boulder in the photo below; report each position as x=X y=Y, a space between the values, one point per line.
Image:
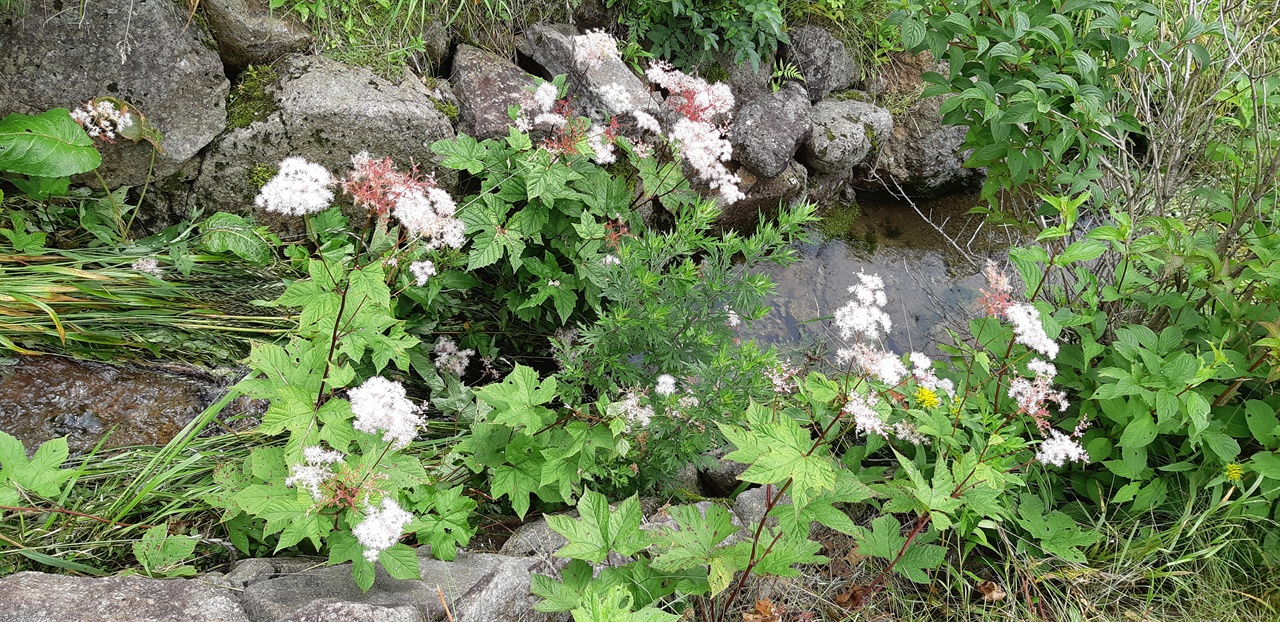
x=327 y=112
x=844 y=132
x=486 y=85
x=59 y=55
x=822 y=59
x=606 y=89
x=477 y=587
x=40 y=597
x=536 y=539
x=922 y=156
x=764 y=196
x=747 y=82
x=766 y=132
x=249 y=32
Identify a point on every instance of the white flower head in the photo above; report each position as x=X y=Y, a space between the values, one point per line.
x=148 y=265
x=590 y=50
x=734 y=319
x=665 y=386
x=300 y=188
x=380 y=405
x=610 y=260
x=631 y=409
x=1059 y=449
x=546 y=95
x=449 y=358
x=1028 y=330
x=315 y=471
x=863 y=316
x=429 y=212
x=381 y=528
x=865 y=418
x=422 y=270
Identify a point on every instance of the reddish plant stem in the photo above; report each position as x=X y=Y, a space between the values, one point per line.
x=72 y=513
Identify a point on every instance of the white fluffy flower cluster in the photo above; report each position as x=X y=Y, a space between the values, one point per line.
x=706 y=149
x=610 y=260
x=865 y=418
x=1028 y=330
x=429 y=212
x=381 y=528
x=922 y=370
x=380 y=405
x=148 y=265
x=1033 y=396
x=300 y=188
x=709 y=100
x=1059 y=449
x=315 y=471
x=449 y=358
x=666 y=385
x=873 y=361
x=632 y=410
x=590 y=50
x=422 y=270
x=864 y=315
x=600 y=145
x=647 y=122
x=101 y=119
x=615 y=97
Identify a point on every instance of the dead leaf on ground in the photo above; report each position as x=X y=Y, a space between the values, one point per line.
x=854 y=598
x=992 y=592
x=764 y=612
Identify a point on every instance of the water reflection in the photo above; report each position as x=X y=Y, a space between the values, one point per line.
x=932 y=277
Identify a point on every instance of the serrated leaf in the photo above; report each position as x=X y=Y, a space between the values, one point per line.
x=401 y=562
x=49 y=144
x=600 y=530
x=223 y=232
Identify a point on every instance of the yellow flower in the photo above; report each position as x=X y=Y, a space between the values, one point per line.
x=1233 y=472
x=927 y=398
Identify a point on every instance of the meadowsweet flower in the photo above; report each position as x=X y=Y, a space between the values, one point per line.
x=429 y=213
x=523 y=124
x=300 y=188
x=610 y=260
x=616 y=98
x=866 y=419
x=1028 y=330
x=782 y=378
x=422 y=270
x=380 y=405
x=600 y=141
x=630 y=408
x=590 y=50
x=315 y=471
x=101 y=119
x=705 y=148
x=863 y=315
x=449 y=358
x=665 y=386
x=546 y=95
x=646 y=121
x=907 y=431
x=922 y=370
x=1033 y=396
x=381 y=528
x=734 y=319
x=148 y=265
x=1059 y=449
x=996 y=297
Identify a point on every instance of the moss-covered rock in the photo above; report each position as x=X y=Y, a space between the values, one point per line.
x=251 y=99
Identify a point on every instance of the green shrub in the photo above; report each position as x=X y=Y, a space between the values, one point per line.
x=690 y=33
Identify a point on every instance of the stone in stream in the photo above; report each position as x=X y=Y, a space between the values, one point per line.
x=822 y=59
x=249 y=32
x=41 y=597
x=486 y=85
x=61 y=54
x=608 y=87
x=766 y=132
x=327 y=113
x=844 y=133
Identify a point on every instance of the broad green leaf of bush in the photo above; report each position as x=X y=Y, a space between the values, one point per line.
x=49 y=144
x=229 y=233
x=1056 y=532
x=885 y=540
x=778 y=452
x=159 y=552
x=41 y=475
x=443 y=520
x=600 y=530
x=696 y=542
x=517 y=400
x=401 y=562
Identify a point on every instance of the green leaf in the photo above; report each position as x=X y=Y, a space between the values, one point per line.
x=159 y=552
x=41 y=475
x=1139 y=433
x=600 y=530
x=694 y=540
x=885 y=540
x=223 y=232
x=516 y=400
x=401 y=562
x=49 y=144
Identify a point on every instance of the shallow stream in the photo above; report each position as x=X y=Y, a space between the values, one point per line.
x=930 y=255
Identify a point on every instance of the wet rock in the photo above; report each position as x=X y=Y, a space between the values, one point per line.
x=486 y=85
x=822 y=59
x=46 y=397
x=435 y=43
x=751 y=505
x=606 y=89
x=326 y=610
x=766 y=132
x=249 y=32
x=747 y=82
x=764 y=196
x=922 y=156
x=327 y=113
x=843 y=134
x=59 y=55
x=476 y=586
x=536 y=539
x=720 y=477
x=40 y=597
x=591 y=14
